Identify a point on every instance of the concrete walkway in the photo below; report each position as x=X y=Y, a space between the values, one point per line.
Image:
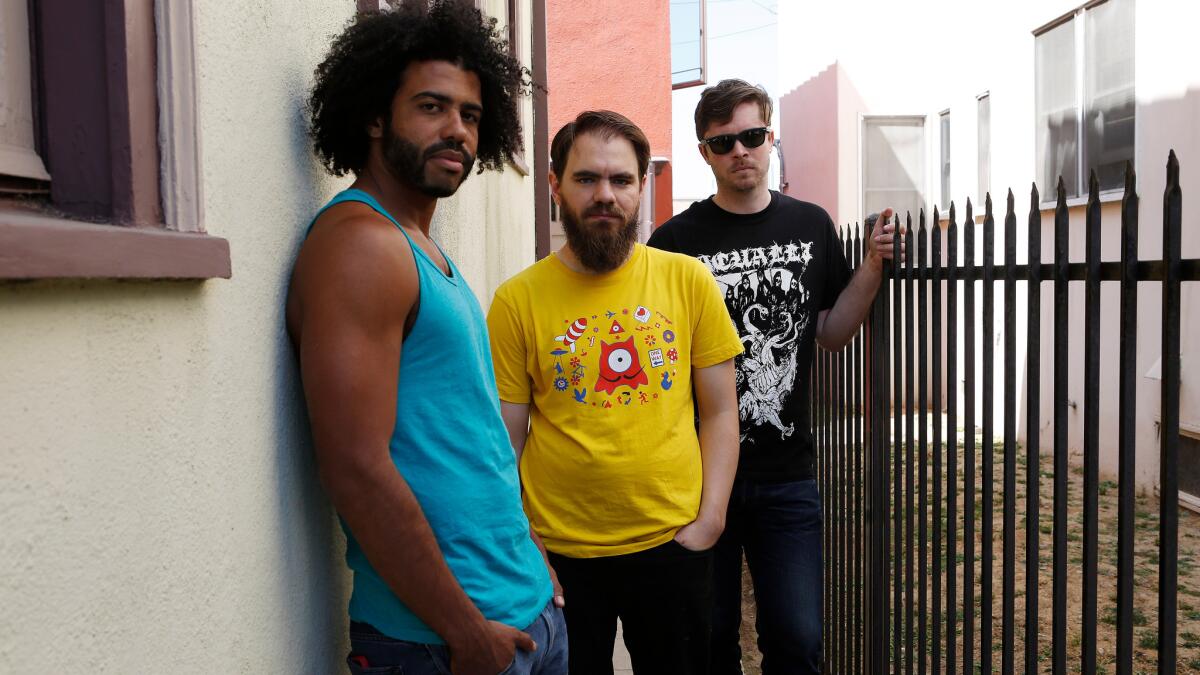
x=621 y=663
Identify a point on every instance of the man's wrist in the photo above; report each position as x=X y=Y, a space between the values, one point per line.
x=711 y=517
x=874 y=259
x=463 y=634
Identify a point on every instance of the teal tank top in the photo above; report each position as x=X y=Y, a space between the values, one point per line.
x=452 y=448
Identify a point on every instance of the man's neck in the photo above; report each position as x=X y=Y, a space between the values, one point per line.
x=408 y=205
x=750 y=201
x=567 y=256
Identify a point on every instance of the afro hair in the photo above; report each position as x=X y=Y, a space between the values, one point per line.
x=356 y=82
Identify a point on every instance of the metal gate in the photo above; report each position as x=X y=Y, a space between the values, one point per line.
x=890 y=469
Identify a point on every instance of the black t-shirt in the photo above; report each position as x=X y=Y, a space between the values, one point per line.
x=777 y=268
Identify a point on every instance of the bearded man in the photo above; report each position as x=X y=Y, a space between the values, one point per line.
x=410 y=444
x=597 y=350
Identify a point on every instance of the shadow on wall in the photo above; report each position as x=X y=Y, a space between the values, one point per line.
x=313 y=581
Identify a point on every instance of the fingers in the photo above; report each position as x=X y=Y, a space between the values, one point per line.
x=523 y=642
x=559 y=600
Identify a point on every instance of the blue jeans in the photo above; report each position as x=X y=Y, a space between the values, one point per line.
x=779 y=527
x=387 y=656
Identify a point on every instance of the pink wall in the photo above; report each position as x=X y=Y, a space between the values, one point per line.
x=808 y=129
x=615 y=55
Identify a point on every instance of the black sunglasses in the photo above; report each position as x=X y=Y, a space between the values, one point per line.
x=750 y=138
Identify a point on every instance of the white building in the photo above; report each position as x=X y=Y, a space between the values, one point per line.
x=917 y=104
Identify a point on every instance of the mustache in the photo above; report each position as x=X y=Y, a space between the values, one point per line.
x=603 y=210
x=453 y=146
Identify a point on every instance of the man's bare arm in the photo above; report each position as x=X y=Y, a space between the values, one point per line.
x=835 y=326
x=516 y=420
x=353 y=290
x=716 y=398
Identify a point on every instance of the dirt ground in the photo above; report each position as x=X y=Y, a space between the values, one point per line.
x=1145 y=574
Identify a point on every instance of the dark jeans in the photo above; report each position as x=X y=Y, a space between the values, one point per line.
x=373 y=653
x=663 y=597
x=779 y=527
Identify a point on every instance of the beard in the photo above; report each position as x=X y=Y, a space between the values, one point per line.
x=408 y=163
x=600 y=248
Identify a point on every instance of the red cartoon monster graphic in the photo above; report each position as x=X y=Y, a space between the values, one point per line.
x=619 y=366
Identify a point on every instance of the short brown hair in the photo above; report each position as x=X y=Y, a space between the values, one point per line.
x=718 y=102
x=607 y=124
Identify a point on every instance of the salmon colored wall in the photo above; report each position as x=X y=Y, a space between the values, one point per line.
x=808 y=129
x=663 y=204
x=615 y=55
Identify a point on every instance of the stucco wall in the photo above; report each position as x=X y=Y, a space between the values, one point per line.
x=158 y=503
x=611 y=55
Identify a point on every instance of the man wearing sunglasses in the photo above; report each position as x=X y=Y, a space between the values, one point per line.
x=791 y=287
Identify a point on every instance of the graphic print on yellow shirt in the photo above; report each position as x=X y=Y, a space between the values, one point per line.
x=611 y=464
x=606 y=368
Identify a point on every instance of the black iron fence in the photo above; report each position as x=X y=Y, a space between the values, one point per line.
x=907 y=487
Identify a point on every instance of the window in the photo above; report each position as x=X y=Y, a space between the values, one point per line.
x=893 y=164
x=21 y=167
x=1084 y=97
x=688 y=50
x=983 y=145
x=110 y=87
x=512 y=22
x=944 y=131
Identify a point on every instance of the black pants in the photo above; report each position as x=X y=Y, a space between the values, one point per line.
x=663 y=597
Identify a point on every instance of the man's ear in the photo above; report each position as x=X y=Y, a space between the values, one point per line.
x=375 y=128
x=554 y=187
x=703 y=153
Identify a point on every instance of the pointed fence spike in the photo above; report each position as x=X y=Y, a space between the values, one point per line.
x=987 y=204
x=1011 y=203
x=1034 y=197
x=1062 y=193
x=1172 y=170
x=1093 y=185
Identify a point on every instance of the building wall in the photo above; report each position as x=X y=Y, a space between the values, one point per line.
x=158 y=498
x=608 y=55
x=903 y=62
x=808 y=130
x=612 y=56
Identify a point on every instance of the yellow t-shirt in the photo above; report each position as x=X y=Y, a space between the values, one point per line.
x=612 y=462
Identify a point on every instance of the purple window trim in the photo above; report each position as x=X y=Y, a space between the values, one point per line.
x=97 y=98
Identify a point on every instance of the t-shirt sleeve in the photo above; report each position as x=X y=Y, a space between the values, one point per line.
x=714 y=337
x=509 y=355
x=837 y=269
x=663 y=238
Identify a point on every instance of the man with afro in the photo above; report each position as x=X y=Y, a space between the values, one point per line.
x=394 y=354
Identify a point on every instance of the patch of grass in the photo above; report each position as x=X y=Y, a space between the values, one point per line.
x=1105 y=486
x=1148 y=640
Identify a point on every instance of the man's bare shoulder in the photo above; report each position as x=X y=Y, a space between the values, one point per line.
x=354 y=259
